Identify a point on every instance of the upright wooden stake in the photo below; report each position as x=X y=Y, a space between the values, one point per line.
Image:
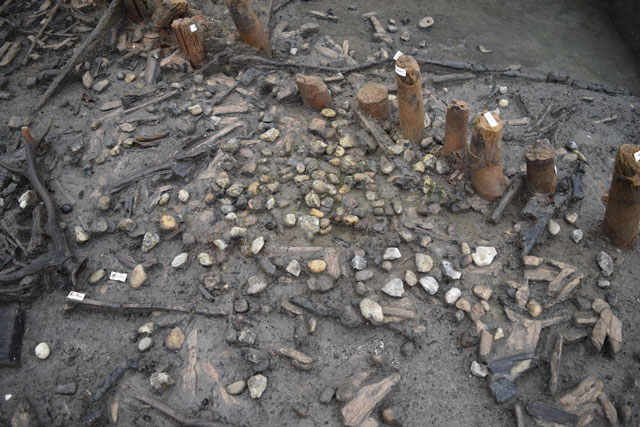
x=410 y=98
x=622 y=216
x=485 y=157
x=188 y=36
x=455 y=129
x=168 y=11
x=373 y=99
x=541 y=167
x=248 y=25
x=137 y=10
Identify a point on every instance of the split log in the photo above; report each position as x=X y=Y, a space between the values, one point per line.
x=554 y=364
x=188 y=36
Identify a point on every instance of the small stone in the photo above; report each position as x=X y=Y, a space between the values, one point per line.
x=449 y=271
x=257 y=245
x=175 y=339
x=328 y=113
x=257 y=385
x=577 y=235
x=394 y=288
x=309 y=224
x=603 y=284
x=168 y=223
x=290 y=220
x=553 y=227
x=503 y=103
x=104 y=203
x=149 y=241
x=164 y=199
x=327 y=394
x=236 y=387
x=256 y=284
x=195 y=110
x=479 y=370
x=371 y=311
x=502 y=389
x=534 y=308
x=96 y=276
x=393 y=415
x=429 y=284
x=411 y=278
x=42 y=350
x=26 y=199
x=147 y=328
x=145 y=344
x=391 y=254
x=571 y=218
x=606 y=263
x=317 y=266
x=126 y=127
x=137 y=277
x=425 y=22
x=87 y=80
x=424 y=263
x=452 y=295
x=359 y=263
x=364 y=275
x=237 y=232
x=101 y=85
x=320 y=284
x=130 y=77
x=180 y=260
x=484 y=255
x=241 y=306
x=205 y=259
x=482 y=292
x=271 y=135
x=161 y=381
x=81 y=235
x=294 y=268
x=183 y=196
x=464 y=305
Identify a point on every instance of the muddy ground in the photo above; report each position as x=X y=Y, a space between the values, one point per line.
x=432 y=352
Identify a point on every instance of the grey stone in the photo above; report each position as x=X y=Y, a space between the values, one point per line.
x=452 y=295
x=145 y=344
x=606 y=263
x=479 y=370
x=149 y=241
x=320 y=284
x=256 y=284
x=448 y=270
x=429 y=284
x=257 y=385
x=236 y=387
x=350 y=318
x=364 y=275
x=327 y=394
x=577 y=235
x=391 y=254
x=394 y=288
x=294 y=268
x=359 y=263
x=424 y=263
x=502 y=389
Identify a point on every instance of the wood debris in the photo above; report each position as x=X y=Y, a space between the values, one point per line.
x=359 y=408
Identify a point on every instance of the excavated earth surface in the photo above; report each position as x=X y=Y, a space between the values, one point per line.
x=432 y=352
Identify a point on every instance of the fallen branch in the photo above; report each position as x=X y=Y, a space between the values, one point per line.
x=101 y=28
x=128 y=307
x=61 y=257
x=166 y=410
x=120 y=111
x=506 y=199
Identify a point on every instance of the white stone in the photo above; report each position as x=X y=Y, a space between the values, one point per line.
x=147 y=328
x=452 y=295
x=195 y=110
x=183 y=196
x=553 y=227
x=479 y=370
x=205 y=259
x=290 y=220
x=503 y=103
x=424 y=263
x=271 y=135
x=391 y=254
x=294 y=268
x=256 y=284
x=257 y=245
x=429 y=284
x=257 y=385
x=42 y=350
x=81 y=235
x=411 y=278
x=26 y=199
x=145 y=344
x=484 y=255
x=577 y=235
x=394 y=288
x=220 y=244
x=179 y=260
x=448 y=270
x=371 y=310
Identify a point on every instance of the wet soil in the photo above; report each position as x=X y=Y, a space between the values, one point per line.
x=436 y=387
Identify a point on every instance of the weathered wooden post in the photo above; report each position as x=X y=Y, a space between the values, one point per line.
x=248 y=25
x=314 y=92
x=410 y=104
x=137 y=10
x=485 y=157
x=168 y=11
x=188 y=36
x=541 y=167
x=455 y=129
x=373 y=99
x=622 y=216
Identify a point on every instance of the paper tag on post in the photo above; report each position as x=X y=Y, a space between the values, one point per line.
x=397 y=55
x=401 y=71
x=193 y=28
x=490 y=119
x=75 y=296
x=120 y=277
x=636 y=155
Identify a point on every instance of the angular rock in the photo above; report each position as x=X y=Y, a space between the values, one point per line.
x=449 y=271
x=391 y=254
x=606 y=263
x=429 y=284
x=371 y=311
x=424 y=263
x=256 y=284
x=394 y=288
x=257 y=385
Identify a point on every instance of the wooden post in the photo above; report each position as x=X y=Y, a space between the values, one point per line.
x=455 y=130
x=314 y=93
x=622 y=216
x=248 y=25
x=485 y=157
x=188 y=36
x=410 y=98
x=541 y=167
x=168 y=11
x=137 y=10
x=373 y=99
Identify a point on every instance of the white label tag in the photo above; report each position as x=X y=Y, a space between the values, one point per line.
x=76 y=296
x=120 y=277
x=490 y=119
x=401 y=71
x=636 y=155
x=193 y=28
x=397 y=55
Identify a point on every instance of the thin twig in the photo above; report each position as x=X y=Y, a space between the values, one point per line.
x=129 y=307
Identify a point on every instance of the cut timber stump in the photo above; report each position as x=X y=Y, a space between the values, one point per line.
x=137 y=10
x=168 y=11
x=188 y=36
x=541 y=167
x=373 y=99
